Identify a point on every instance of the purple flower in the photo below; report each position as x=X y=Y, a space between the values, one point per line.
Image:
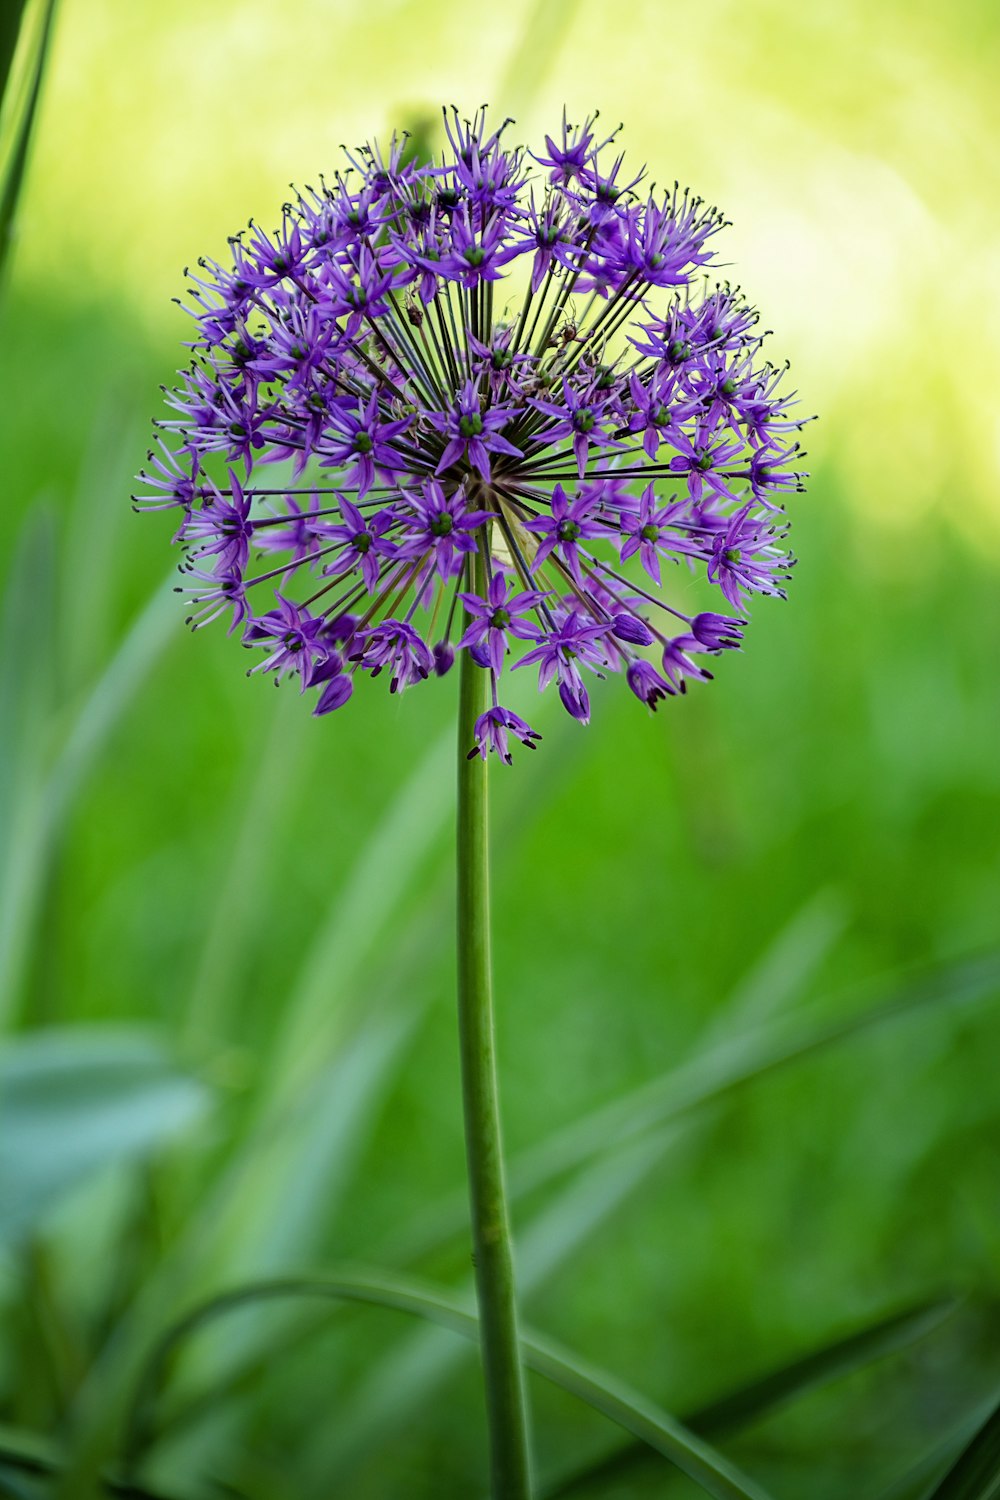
x=364 y=542
x=498 y=360
x=358 y=437
x=647 y=684
x=371 y=421
x=700 y=459
x=221 y=528
x=395 y=645
x=746 y=559
x=663 y=242
x=570 y=522
x=658 y=409
x=569 y=158
x=441 y=530
x=475 y=255
x=677 y=665
x=577 y=416
x=303 y=534
x=717 y=632
x=491 y=733
x=500 y=614
x=574 y=642
x=291 y=635
x=654 y=529
x=335 y=685
x=473 y=432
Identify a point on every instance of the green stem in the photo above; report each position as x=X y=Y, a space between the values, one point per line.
x=506 y=1408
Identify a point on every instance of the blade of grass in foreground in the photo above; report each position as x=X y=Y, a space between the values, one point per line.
x=11 y=15
x=884 y=1337
x=403 y=1381
x=976 y=1474
x=615 y=1400
x=927 y=1472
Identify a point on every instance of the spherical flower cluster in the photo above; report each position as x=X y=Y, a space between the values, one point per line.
x=380 y=459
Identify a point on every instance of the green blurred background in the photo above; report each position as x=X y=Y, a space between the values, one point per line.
x=226 y=928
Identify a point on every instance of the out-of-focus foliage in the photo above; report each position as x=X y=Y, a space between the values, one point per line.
x=681 y=901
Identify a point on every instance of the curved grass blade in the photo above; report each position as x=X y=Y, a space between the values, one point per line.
x=976 y=1474
x=40 y=805
x=417 y=1365
x=933 y=1464
x=10 y=28
x=26 y=655
x=743 y=1059
x=148 y=635
x=360 y=912
x=29 y=1454
x=535 y=54
x=615 y=1400
x=12 y=177
x=404 y=1379
x=886 y=1336
x=259 y=809
x=707 y=1078
x=308 y=1046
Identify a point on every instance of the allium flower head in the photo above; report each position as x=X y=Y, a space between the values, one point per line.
x=478 y=405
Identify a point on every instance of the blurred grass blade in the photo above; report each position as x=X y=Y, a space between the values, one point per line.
x=374 y=889
x=259 y=809
x=74 y=1101
x=885 y=1337
x=405 y=1378
x=976 y=1475
x=110 y=696
x=413 y=1369
x=16 y=1489
x=361 y=910
x=704 y=1080
x=590 y=1384
x=535 y=55
x=34 y=811
x=11 y=14
x=15 y=161
x=26 y=658
x=927 y=1472
x=741 y=1060
x=781 y=973
x=312 y=1167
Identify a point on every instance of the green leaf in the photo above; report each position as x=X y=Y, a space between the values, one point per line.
x=976 y=1474
x=75 y=1101
x=886 y=1336
x=615 y=1400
